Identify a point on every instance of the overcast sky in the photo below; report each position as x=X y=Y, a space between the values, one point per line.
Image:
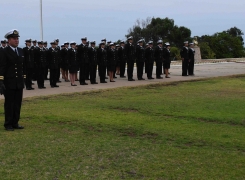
x=69 y=20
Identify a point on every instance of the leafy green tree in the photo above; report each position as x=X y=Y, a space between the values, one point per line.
x=206 y=51
x=175 y=53
x=157 y=28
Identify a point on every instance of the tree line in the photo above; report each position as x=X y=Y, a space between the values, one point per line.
x=226 y=44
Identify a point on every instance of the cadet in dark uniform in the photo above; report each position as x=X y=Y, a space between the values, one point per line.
x=111 y=63
x=146 y=46
x=130 y=53
x=166 y=59
x=73 y=60
x=122 y=58
x=34 y=46
x=140 y=59
x=192 y=59
x=12 y=75
x=59 y=63
x=102 y=61
x=159 y=59
x=117 y=70
x=40 y=55
x=185 y=58
x=45 y=44
x=3 y=44
x=29 y=62
x=83 y=61
x=92 y=53
x=53 y=62
x=64 y=61
x=149 y=54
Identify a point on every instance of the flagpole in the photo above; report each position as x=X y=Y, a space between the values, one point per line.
x=41 y=19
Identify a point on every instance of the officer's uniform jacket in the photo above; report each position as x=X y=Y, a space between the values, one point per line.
x=53 y=58
x=92 y=56
x=83 y=53
x=191 y=54
x=102 y=56
x=122 y=55
x=130 y=52
x=40 y=56
x=149 y=55
x=166 y=55
x=140 y=54
x=72 y=57
x=12 y=68
x=184 y=53
x=29 y=57
x=158 y=54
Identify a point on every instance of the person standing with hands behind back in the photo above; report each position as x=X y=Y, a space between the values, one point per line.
x=12 y=75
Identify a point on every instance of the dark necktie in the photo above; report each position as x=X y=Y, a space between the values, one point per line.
x=16 y=52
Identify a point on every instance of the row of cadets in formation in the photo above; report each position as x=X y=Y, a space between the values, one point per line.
x=110 y=59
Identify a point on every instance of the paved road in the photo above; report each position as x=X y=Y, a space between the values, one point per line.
x=201 y=71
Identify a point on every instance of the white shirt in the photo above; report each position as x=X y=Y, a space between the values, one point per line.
x=14 y=49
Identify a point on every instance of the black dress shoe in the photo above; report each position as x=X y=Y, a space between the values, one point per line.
x=106 y=77
x=84 y=83
x=56 y=86
x=103 y=82
x=131 y=80
x=115 y=77
x=43 y=87
x=184 y=75
x=10 y=128
x=76 y=80
x=52 y=86
x=122 y=76
x=73 y=85
x=18 y=127
x=59 y=81
x=112 y=81
x=32 y=83
x=151 y=78
x=32 y=88
x=167 y=77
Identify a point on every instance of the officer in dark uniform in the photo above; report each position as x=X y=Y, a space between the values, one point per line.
x=64 y=61
x=112 y=60
x=192 y=60
x=102 y=61
x=149 y=54
x=45 y=44
x=40 y=55
x=53 y=60
x=12 y=75
x=184 y=53
x=122 y=58
x=59 y=63
x=130 y=53
x=34 y=46
x=166 y=59
x=83 y=61
x=73 y=62
x=140 y=59
x=159 y=59
x=3 y=44
x=29 y=62
x=92 y=53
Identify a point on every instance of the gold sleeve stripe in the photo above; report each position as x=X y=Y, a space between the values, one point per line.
x=1 y=77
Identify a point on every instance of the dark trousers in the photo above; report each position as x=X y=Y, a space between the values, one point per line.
x=102 y=72
x=12 y=106
x=92 y=72
x=40 y=76
x=140 y=69
x=87 y=70
x=29 y=73
x=158 y=69
x=53 y=76
x=191 y=67
x=82 y=73
x=122 y=68
x=149 y=69
x=130 y=69
x=185 y=63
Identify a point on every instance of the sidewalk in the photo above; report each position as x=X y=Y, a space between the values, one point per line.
x=201 y=71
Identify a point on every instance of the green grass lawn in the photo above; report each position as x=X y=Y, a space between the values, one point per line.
x=183 y=130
